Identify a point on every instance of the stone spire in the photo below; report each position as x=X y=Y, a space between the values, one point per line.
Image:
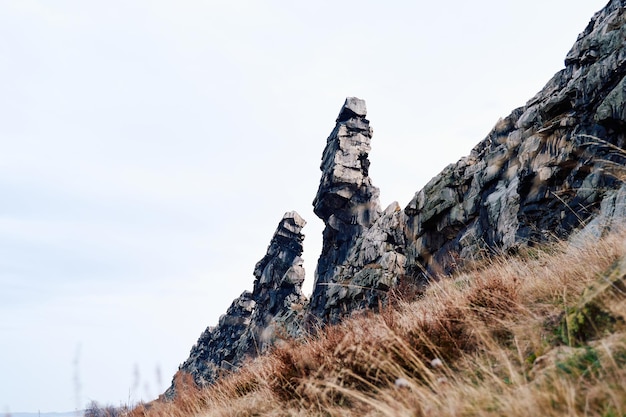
x=255 y=319
x=278 y=287
x=346 y=200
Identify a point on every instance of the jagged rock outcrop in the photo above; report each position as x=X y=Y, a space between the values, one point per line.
x=256 y=320
x=547 y=169
x=552 y=167
x=346 y=200
x=542 y=171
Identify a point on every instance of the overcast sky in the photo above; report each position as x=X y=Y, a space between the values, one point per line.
x=150 y=148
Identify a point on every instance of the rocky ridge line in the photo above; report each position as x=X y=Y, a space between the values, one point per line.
x=548 y=169
x=542 y=171
x=551 y=168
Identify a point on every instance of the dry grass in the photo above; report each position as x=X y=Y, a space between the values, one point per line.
x=493 y=341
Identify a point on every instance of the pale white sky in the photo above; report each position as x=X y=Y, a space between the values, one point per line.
x=150 y=147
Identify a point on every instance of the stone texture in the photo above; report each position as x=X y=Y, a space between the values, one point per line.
x=611 y=216
x=257 y=319
x=543 y=171
x=374 y=263
x=346 y=200
x=550 y=168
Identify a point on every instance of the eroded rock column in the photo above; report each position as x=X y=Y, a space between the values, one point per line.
x=346 y=200
x=256 y=320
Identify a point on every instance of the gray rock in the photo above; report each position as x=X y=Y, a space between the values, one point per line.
x=255 y=320
x=543 y=171
x=346 y=200
x=353 y=107
x=546 y=170
x=612 y=215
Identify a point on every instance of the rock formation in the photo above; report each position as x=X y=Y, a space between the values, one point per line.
x=346 y=200
x=542 y=171
x=257 y=319
x=551 y=168
x=547 y=169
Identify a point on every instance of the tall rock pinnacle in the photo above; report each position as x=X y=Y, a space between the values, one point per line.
x=346 y=200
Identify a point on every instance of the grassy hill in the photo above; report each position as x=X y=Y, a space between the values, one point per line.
x=539 y=332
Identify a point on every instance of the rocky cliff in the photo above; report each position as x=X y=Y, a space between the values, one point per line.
x=551 y=168
x=543 y=170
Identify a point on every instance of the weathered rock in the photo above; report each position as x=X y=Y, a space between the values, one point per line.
x=257 y=319
x=346 y=200
x=215 y=350
x=543 y=171
x=547 y=169
x=612 y=216
x=277 y=289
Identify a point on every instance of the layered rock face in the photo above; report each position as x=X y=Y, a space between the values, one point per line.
x=256 y=320
x=346 y=200
x=542 y=171
x=549 y=168
x=375 y=263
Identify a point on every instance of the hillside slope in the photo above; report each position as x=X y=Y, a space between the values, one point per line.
x=544 y=171
x=541 y=332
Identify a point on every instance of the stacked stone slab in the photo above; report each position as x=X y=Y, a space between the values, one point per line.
x=346 y=200
x=551 y=167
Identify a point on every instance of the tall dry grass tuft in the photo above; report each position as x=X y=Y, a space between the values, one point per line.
x=493 y=340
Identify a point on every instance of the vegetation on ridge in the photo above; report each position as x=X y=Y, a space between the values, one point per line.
x=537 y=333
